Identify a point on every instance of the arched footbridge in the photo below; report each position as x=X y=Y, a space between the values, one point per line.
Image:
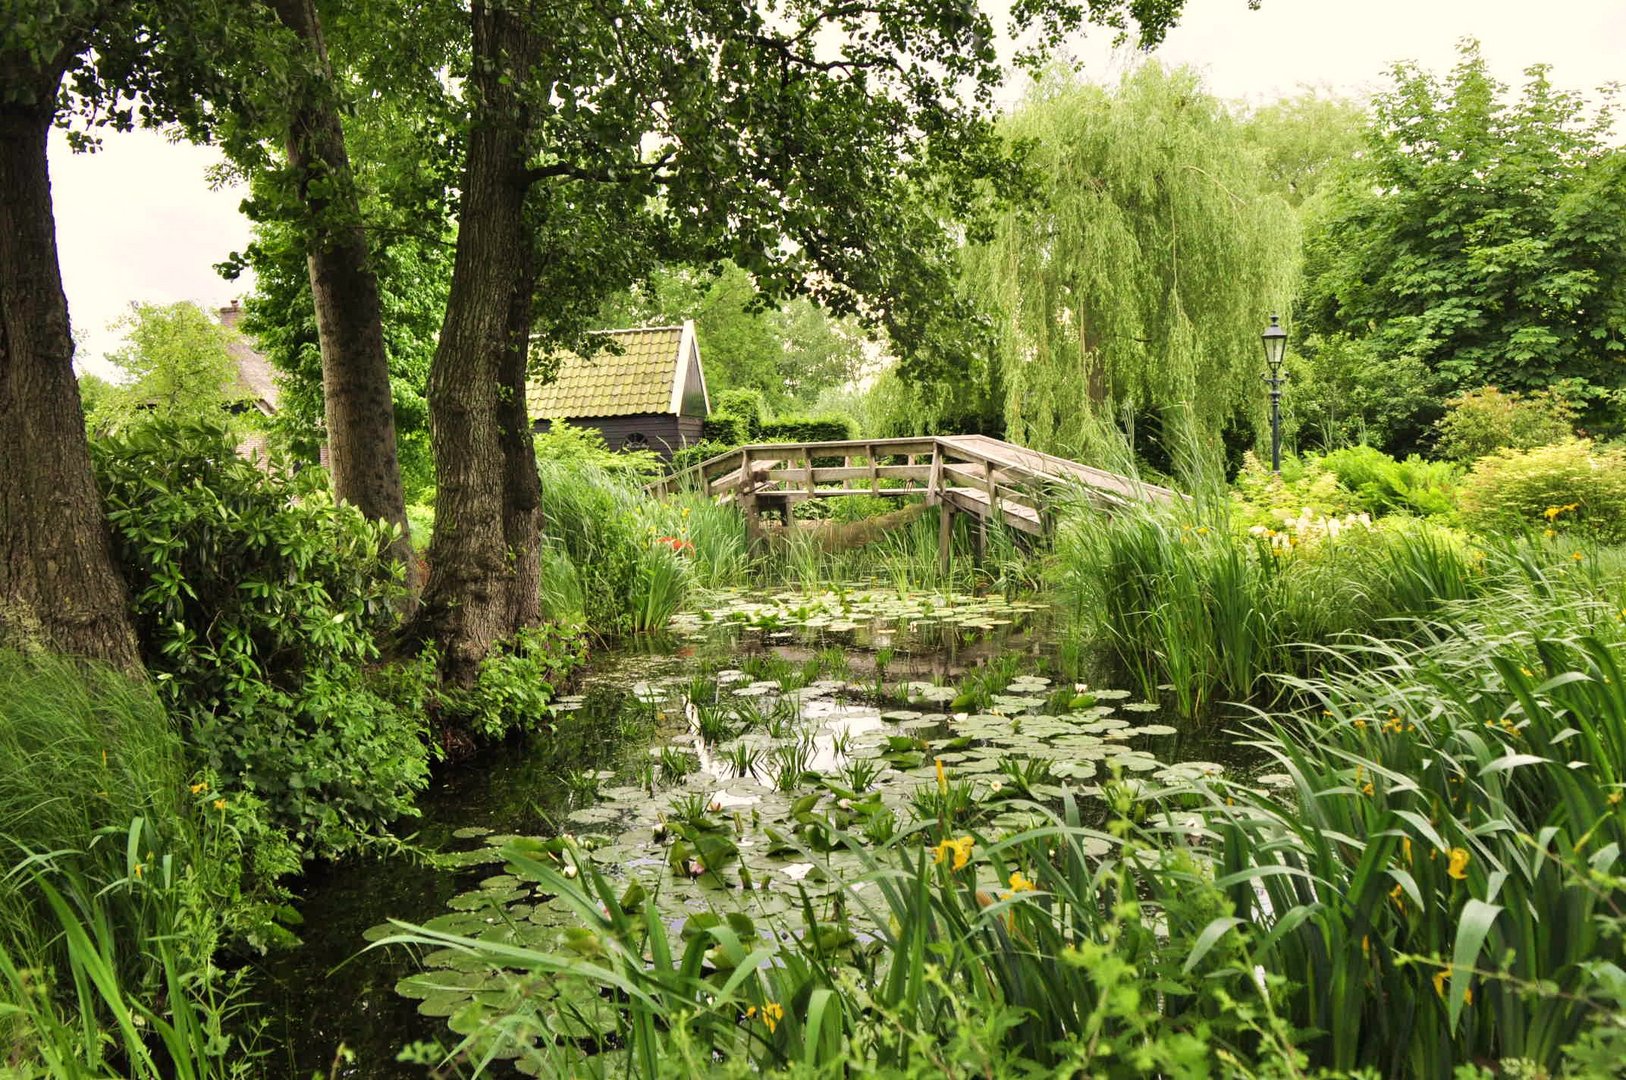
x=985 y=478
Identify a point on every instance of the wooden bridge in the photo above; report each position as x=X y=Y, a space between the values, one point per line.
x=985 y=478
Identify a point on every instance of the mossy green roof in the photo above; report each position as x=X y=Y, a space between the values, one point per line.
x=639 y=380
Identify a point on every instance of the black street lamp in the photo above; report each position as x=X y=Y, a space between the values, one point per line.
x=1275 y=339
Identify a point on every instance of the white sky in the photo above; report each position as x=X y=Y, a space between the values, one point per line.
x=139 y=221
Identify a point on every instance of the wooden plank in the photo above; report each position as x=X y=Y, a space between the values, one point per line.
x=934 y=482
x=831 y=474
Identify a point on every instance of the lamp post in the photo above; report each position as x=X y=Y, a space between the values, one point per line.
x=1275 y=339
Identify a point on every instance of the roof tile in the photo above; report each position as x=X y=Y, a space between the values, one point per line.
x=639 y=380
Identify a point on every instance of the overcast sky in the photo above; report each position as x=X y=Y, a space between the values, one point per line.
x=139 y=221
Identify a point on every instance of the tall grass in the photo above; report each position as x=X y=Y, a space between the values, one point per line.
x=621 y=562
x=82 y=750
x=1181 y=599
x=115 y=890
x=1442 y=879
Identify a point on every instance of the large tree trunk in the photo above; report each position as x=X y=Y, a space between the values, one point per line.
x=58 y=585
x=482 y=560
x=522 y=489
x=356 y=397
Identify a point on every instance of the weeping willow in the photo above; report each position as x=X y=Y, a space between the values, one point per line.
x=1135 y=289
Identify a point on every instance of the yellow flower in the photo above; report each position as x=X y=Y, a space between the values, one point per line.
x=1552 y=512
x=1439 y=981
x=960 y=849
x=942 y=778
x=1366 y=945
x=1405 y=848
x=1020 y=883
x=198 y=787
x=138 y=869
x=1459 y=864
x=750 y=1012
x=1577 y=556
x=1367 y=790
x=1550 y=533
x=1397 y=894
x=1614 y=798
x=772 y=1013
x=220 y=804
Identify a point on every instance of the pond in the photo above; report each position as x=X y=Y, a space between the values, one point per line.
x=716 y=768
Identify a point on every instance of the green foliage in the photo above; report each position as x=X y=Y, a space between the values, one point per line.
x=1482 y=421
x=722 y=430
x=1383 y=485
x=619 y=562
x=414 y=279
x=568 y=444
x=808 y=429
x=1134 y=291
x=257 y=602
x=1348 y=390
x=176 y=366
x=1307 y=141
x=139 y=999
x=784 y=352
x=1480 y=237
x=1574 y=486
x=111 y=865
x=1463 y=913
x=1178 y=597
x=517 y=683
x=746 y=403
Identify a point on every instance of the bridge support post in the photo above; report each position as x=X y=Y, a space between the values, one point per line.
x=753 y=524
x=945 y=535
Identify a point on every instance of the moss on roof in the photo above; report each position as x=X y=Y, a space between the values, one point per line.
x=639 y=380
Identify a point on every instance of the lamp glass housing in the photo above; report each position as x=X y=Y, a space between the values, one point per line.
x=1275 y=339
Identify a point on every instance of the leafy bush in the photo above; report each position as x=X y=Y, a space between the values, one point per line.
x=726 y=429
x=1384 y=485
x=516 y=684
x=1483 y=421
x=690 y=456
x=803 y=429
x=746 y=404
x=257 y=601
x=565 y=442
x=1571 y=485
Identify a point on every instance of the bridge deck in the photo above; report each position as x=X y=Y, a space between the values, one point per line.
x=971 y=474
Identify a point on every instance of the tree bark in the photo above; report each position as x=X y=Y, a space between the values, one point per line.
x=356 y=395
x=482 y=558
x=59 y=587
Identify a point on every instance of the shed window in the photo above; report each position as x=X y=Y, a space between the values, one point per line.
x=636 y=441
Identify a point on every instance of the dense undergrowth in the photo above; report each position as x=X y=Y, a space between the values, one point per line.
x=1427 y=674
x=1433 y=889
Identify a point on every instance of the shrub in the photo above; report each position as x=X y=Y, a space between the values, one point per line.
x=690 y=456
x=1483 y=421
x=1573 y=485
x=1384 y=485
x=564 y=441
x=726 y=429
x=805 y=429
x=745 y=403
x=257 y=601
x=517 y=683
